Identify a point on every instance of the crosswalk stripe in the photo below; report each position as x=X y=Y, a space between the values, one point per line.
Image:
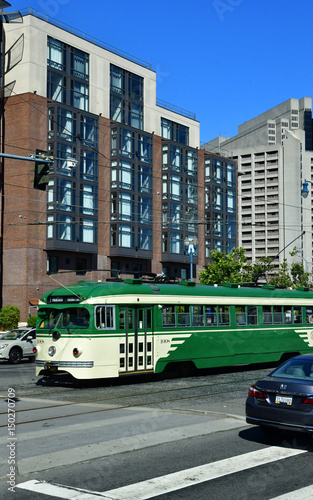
x=150 y=488
x=301 y=494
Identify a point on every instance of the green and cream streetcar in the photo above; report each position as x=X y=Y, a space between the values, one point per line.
x=99 y=330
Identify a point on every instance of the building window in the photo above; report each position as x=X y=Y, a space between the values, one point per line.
x=56 y=56
x=126 y=236
x=145 y=210
x=71 y=189
x=126 y=206
x=89 y=131
x=176 y=243
x=68 y=75
x=131 y=188
x=230 y=201
x=88 y=201
x=79 y=64
x=79 y=96
x=65 y=195
x=89 y=165
x=145 y=179
x=87 y=231
x=175 y=187
x=65 y=228
x=145 y=148
x=174 y=131
x=126 y=97
x=145 y=238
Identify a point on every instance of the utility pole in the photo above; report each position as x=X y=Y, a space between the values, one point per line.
x=3 y=5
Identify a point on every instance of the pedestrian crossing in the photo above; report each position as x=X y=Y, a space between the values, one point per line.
x=162 y=485
x=65 y=435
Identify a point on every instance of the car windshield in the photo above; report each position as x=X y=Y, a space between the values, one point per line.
x=71 y=317
x=295 y=368
x=13 y=335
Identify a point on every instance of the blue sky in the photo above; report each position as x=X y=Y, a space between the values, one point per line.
x=225 y=60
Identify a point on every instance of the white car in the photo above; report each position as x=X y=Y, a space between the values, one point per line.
x=17 y=344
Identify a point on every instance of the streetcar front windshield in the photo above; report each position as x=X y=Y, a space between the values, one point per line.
x=71 y=317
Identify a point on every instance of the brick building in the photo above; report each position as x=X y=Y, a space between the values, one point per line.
x=139 y=185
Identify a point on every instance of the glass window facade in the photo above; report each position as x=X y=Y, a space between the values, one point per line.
x=126 y=97
x=220 y=204
x=68 y=74
x=131 y=186
x=174 y=131
x=179 y=195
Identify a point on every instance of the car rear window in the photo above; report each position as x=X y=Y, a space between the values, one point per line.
x=298 y=369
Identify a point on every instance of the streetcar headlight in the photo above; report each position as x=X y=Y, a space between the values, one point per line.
x=51 y=350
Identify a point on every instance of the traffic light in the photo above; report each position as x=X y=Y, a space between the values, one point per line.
x=41 y=178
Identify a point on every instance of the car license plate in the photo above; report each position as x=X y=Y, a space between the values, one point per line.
x=287 y=400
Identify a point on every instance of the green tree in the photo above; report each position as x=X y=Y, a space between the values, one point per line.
x=234 y=268
x=31 y=321
x=293 y=275
x=226 y=268
x=9 y=317
x=282 y=279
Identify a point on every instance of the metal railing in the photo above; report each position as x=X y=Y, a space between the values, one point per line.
x=175 y=109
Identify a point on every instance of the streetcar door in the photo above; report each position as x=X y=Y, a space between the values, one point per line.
x=136 y=346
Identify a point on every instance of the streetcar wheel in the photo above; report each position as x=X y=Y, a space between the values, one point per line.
x=15 y=356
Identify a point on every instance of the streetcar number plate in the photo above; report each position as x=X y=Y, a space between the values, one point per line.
x=287 y=400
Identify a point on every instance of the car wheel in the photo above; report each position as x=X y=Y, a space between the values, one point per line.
x=15 y=356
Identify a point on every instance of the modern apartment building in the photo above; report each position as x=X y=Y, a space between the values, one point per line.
x=274 y=152
x=128 y=184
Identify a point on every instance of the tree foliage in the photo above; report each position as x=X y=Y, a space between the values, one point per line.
x=234 y=268
x=9 y=317
x=31 y=321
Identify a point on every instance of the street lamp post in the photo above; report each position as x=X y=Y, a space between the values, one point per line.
x=191 y=249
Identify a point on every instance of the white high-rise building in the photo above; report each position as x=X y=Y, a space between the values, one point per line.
x=275 y=157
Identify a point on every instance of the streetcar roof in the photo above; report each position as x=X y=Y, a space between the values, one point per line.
x=85 y=291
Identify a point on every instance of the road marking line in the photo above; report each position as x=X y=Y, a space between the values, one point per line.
x=302 y=494
x=150 y=488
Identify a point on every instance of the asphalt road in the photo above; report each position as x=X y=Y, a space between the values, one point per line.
x=163 y=438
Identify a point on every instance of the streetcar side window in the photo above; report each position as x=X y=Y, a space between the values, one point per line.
x=241 y=317
x=105 y=317
x=278 y=315
x=287 y=315
x=183 y=316
x=168 y=316
x=297 y=314
x=309 y=315
x=223 y=315
x=197 y=315
x=129 y=321
x=211 y=315
x=252 y=314
x=267 y=315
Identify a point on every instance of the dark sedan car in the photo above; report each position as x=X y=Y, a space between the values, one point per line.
x=284 y=399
